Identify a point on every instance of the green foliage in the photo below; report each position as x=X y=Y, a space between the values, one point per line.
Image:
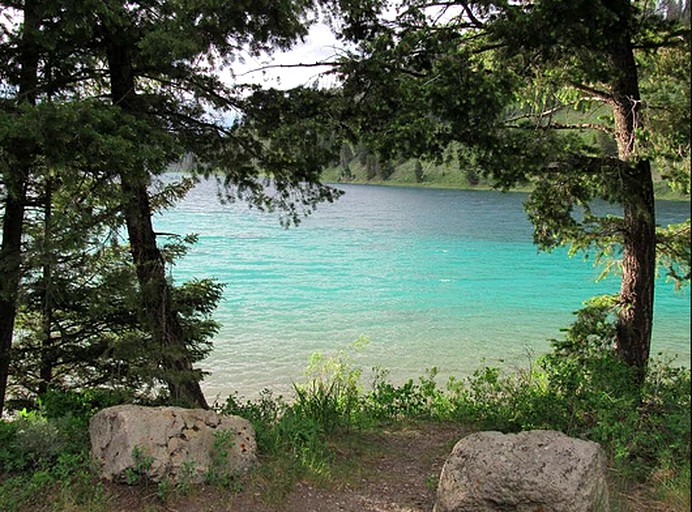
x=409 y=401
x=282 y=432
x=92 y=333
x=44 y=458
x=584 y=390
x=329 y=402
x=578 y=100
x=35 y=442
x=581 y=388
x=218 y=473
x=674 y=256
x=666 y=86
x=79 y=405
x=140 y=471
x=366 y=167
x=331 y=395
x=24 y=440
x=277 y=151
x=263 y=413
x=592 y=334
x=124 y=97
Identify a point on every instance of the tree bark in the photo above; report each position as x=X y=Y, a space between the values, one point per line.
x=635 y=321
x=47 y=342
x=163 y=320
x=635 y=317
x=15 y=203
x=10 y=256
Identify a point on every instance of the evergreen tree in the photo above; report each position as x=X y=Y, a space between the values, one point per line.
x=345 y=158
x=372 y=166
x=19 y=154
x=78 y=325
x=418 y=171
x=519 y=84
x=145 y=76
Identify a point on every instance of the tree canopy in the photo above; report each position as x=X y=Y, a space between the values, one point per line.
x=582 y=100
x=98 y=98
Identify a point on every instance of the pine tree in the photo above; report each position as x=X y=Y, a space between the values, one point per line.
x=141 y=82
x=518 y=84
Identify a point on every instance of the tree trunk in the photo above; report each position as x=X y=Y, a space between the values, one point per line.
x=10 y=255
x=15 y=202
x=635 y=318
x=47 y=345
x=163 y=320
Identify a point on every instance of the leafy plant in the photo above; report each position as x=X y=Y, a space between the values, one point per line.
x=412 y=400
x=332 y=392
x=140 y=471
x=219 y=473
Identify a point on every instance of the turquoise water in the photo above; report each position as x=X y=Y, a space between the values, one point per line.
x=441 y=278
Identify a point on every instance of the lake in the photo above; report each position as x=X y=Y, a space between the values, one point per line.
x=443 y=278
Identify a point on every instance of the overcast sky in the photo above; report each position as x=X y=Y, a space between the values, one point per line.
x=320 y=45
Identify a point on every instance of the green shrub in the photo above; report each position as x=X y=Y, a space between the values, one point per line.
x=411 y=400
x=584 y=390
x=331 y=395
x=81 y=404
x=264 y=414
x=218 y=473
x=32 y=442
x=581 y=389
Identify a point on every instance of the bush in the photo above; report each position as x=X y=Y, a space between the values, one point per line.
x=412 y=400
x=584 y=390
x=581 y=389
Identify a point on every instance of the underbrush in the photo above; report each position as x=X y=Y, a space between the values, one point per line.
x=579 y=389
x=44 y=454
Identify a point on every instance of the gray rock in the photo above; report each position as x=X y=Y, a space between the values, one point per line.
x=538 y=470
x=169 y=443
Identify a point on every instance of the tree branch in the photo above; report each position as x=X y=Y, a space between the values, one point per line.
x=673 y=39
x=472 y=17
x=591 y=164
x=561 y=126
x=581 y=126
x=597 y=93
x=287 y=66
x=191 y=121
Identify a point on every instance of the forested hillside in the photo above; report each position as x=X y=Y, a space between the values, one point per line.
x=455 y=169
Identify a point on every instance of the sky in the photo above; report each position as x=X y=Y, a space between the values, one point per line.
x=319 y=45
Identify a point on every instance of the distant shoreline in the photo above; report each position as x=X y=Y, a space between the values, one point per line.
x=660 y=195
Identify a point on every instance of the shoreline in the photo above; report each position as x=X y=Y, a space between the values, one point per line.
x=658 y=195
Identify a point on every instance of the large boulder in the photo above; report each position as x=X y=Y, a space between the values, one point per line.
x=169 y=443
x=538 y=470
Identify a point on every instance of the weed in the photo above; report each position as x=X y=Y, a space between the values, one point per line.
x=219 y=473
x=431 y=482
x=331 y=396
x=580 y=389
x=140 y=472
x=164 y=489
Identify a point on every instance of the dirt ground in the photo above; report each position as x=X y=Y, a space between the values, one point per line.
x=387 y=471
x=398 y=472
